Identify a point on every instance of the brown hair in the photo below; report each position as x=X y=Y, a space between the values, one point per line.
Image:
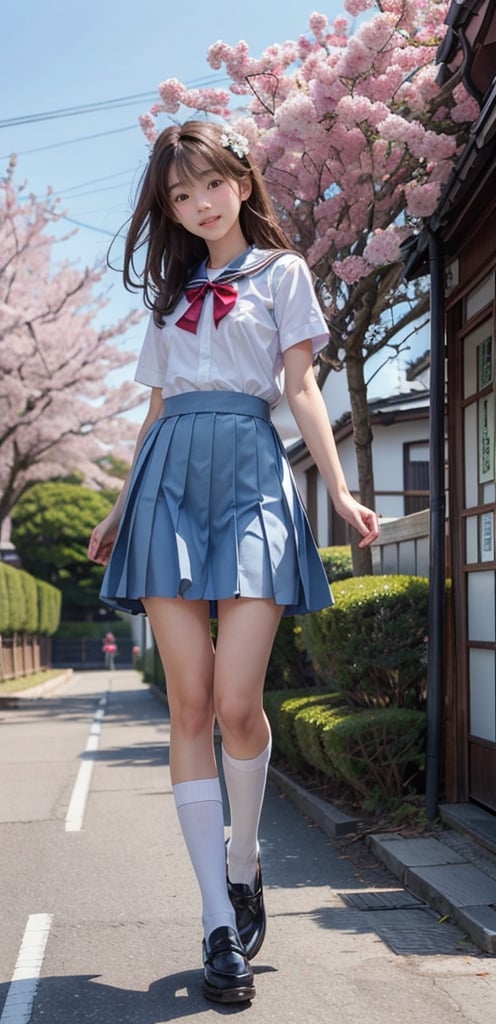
x=171 y=252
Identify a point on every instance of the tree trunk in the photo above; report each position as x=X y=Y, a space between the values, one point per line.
x=362 y=436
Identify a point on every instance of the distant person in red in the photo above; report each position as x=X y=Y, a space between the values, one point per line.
x=109 y=649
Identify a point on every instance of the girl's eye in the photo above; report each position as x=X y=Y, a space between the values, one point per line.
x=215 y=183
x=180 y=197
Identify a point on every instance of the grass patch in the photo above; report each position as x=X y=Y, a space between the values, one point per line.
x=26 y=682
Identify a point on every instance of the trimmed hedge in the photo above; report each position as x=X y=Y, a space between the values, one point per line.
x=378 y=753
x=281 y=711
x=4 y=603
x=27 y=605
x=289 y=665
x=16 y=601
x=337 y=562
x=49 y=608
x=363 y=726
x=372 y=644
x=30 y=592
x=309 y=724
x=372 y=757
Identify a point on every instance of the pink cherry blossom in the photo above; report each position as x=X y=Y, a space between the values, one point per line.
x=355 y=143
x=341 y=27
x=383 y=247
x=421 y=200
x=149 y=126
x=356 y=59
x=466 y=107
x=58 y=412
x=355 y=7
x=318 y=25
x=351 y=269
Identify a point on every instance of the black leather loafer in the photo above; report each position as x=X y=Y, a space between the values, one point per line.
x=227 y=976
x=251 y=920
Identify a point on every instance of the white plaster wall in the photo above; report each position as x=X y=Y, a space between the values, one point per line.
x=388 y=470
x=387 y=453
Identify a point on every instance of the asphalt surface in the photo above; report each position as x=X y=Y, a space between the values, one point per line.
x=94 y=875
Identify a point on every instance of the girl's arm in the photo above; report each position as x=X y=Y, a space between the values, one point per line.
x=309 y=410
x=103 y=536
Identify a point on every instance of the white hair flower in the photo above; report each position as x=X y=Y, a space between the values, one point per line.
x=235 y=141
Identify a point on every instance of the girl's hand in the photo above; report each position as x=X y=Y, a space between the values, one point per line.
x=102 y=540
x=360 y=517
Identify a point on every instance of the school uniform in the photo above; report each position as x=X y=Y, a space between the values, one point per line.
x=213 y=511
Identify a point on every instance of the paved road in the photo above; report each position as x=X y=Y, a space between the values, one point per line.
x=102 y=891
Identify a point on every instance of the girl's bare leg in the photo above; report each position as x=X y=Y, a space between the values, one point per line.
x=182 y=632
x=247 y=628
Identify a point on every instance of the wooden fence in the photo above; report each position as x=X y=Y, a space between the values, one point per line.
x=23 y=653
x=403 y=546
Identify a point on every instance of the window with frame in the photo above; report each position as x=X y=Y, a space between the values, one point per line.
x=416 y=476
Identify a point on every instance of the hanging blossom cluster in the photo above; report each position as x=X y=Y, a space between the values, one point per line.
x=350 y=130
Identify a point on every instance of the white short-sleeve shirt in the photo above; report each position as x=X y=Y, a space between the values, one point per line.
x=275 y=309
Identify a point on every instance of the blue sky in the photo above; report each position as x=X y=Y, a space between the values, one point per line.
x=54 y=55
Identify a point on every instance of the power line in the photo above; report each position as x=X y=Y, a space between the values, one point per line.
x=94 y=181
x=94 y=191
x=87 y=108
x=68 y=142
x=90 y=227
x=100 y=105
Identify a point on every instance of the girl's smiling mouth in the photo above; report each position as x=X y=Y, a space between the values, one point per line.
x=208 y=221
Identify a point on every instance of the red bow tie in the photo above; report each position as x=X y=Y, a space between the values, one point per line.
x=224 y=299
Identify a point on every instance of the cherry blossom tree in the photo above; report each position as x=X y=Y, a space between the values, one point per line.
x=355 y=141
x=58 y=413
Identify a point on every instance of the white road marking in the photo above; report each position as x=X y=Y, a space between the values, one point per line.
x=77 y=805
x=22 y=989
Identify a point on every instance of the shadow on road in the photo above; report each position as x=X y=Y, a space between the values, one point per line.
x=85 y=1000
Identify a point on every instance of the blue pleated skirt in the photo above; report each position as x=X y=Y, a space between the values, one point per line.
x=213 y=512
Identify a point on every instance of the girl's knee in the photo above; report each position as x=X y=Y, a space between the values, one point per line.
x=191 y=710
x=236 y=717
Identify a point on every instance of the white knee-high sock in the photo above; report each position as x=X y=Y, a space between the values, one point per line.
x=200 y=811
x=245 y=781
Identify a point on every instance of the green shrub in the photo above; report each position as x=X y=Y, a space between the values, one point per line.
x=337 y=562
x=272 y=706
x=30 y=592
x=27 y=605
x=4 y=601
x=373 y=757
x=309 y=723
x=288 y=665
x=16 y=601
x=378 y=753
x=281 y=711
x=371 y=645
x=49 y=607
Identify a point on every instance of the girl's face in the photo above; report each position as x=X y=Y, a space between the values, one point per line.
x=208 y=205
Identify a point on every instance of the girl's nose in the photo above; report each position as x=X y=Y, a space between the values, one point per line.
x=203 y=203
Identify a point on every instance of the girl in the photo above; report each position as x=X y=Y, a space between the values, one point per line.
x=209 y=522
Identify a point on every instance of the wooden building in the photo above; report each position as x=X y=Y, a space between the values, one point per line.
x=458 y=246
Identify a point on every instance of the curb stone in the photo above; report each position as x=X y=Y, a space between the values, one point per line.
x=330 y=819
x=446 y=880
